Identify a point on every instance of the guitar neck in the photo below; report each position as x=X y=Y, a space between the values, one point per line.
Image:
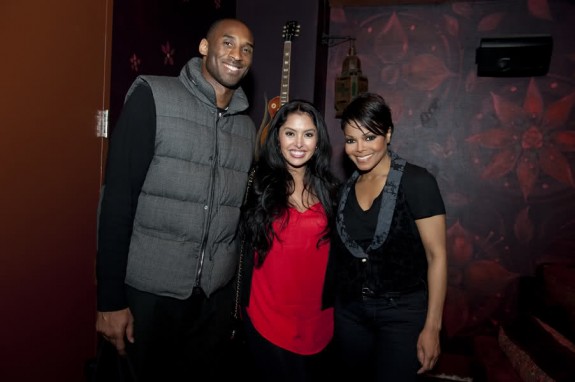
x=284 y=92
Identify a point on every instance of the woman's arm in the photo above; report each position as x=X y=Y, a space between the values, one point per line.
x=433 y=235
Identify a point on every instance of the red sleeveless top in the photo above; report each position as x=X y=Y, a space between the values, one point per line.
x=286 y=291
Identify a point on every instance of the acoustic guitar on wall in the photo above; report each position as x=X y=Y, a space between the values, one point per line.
x=290 y=31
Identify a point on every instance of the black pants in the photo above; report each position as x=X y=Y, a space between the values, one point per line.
x=272 y=363
x=179 y=340
x=376 y=338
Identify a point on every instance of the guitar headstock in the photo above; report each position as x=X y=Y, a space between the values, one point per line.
x=291 y=30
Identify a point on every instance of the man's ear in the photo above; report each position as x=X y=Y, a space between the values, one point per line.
x=203 y=48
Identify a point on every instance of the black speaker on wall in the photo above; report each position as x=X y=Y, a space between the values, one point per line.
x=514 y=56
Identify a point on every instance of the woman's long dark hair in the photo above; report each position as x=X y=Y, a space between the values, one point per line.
x=273 y=183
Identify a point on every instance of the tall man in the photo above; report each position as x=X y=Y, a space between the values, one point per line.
x=175 y=179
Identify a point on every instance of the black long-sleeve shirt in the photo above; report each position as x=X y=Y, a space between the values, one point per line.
x=130 y=152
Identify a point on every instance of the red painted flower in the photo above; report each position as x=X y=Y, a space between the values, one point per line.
x=477 y=280
x=168 y=54
x=135 y=62
x=528 y=139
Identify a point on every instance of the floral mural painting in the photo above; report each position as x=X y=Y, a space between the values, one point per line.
x=168 y=53
x=529 y=138
x=135 y=62
x=502 y=149
x=478 y=282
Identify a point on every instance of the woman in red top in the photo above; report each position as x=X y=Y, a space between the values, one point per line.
x=285 y=228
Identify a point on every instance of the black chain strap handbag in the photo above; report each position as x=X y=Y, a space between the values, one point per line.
x=236 y=316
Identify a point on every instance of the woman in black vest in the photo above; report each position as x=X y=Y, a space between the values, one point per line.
x=387 y=268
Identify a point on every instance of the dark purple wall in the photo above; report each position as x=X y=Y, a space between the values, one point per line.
x=267 y=18
x=157 y=37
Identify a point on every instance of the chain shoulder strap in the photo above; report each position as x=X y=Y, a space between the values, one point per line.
x=242 y=249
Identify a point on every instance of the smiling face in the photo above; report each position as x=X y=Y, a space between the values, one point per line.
x=298 y=140
x=365 y=149
x=228 y=52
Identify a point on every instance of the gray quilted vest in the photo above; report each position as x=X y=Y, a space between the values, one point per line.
x=186 y=221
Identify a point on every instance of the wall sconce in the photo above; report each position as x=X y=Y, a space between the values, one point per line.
x=351 y=82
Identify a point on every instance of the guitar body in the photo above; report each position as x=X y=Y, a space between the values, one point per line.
x=274 y=105
x=290 y=30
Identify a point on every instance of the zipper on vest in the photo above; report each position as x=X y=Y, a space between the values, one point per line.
x=210 y=204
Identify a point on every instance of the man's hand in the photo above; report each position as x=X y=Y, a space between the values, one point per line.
x=115 y=327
